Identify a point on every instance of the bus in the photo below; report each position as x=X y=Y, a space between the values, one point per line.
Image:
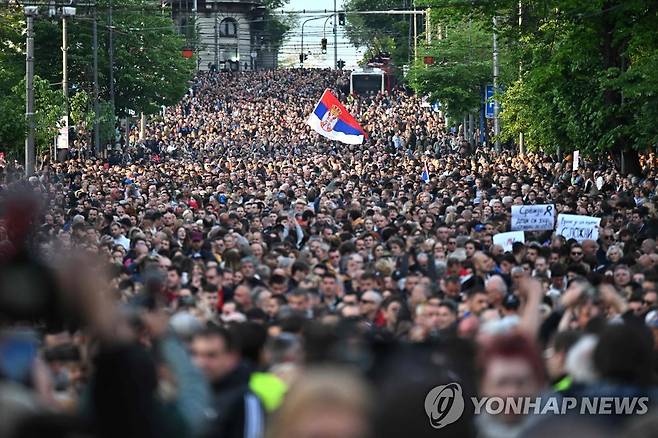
x=369 y=81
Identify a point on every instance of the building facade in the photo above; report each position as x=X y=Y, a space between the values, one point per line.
x=229 y=33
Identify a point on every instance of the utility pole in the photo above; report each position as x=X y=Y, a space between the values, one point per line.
x=30 y=13
x=97 y=136
x=66 y=13
x=65 y=74
x=216 y=43
x=111 y=54
x=415 y=37
x=521 y=137
x=428 y=27
x=495 y=85
x=335 y=38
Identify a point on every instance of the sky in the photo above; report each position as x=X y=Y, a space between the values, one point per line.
x=313 y=32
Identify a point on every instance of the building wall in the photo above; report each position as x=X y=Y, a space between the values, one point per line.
x=227 y=51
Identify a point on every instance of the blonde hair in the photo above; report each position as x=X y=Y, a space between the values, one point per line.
x=319 y=389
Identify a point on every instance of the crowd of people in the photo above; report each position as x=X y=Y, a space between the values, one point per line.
x=233 y=274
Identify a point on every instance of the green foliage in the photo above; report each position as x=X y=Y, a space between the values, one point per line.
x=274 y=27
x=149 y=68
x=81 y=109
x=462 y=66
x=385 y=33
x=589 y=68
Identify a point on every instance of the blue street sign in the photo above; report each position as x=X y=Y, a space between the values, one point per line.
x=489 y=103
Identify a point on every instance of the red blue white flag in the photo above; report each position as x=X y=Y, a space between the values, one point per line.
x=330 y=119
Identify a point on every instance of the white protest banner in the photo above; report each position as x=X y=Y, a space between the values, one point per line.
x=506 y=240
x=576 y=158
x=573 y=226
x=533 y=217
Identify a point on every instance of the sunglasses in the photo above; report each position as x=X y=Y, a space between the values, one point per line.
x=648 y=303
x=577 y=253
x=367 y=302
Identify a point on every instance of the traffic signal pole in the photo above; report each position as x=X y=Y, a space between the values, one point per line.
x=335 y=38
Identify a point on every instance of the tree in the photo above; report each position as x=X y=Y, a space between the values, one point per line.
x=379 y=33
x=462 y=66
x=588 y=73
x=149 y=68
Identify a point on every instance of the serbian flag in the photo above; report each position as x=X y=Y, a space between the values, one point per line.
x=330 y=119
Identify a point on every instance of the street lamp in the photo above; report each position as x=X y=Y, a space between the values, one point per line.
x=301 y=57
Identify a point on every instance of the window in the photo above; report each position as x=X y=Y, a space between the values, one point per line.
x=228 y=27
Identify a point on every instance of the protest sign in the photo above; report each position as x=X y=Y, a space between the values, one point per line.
x=506 y=240
x=533 y=217
x=573 y=226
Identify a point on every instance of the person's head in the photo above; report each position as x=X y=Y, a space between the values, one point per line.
x=116 y=230
x=390 y=307
x=576 y=253
x=298 y=300
x=622 y=276
x=496 y=289
x=369 y=303
x=324 y=403
x=173 y=278
x=427 y=317
x=447 y=314
x=476 y=300
x=329 y=285
x=623 y=354
x=215 y=351
x=483 y=263
x=541 y=266
x=614 y=253
x=242 y=296
x=213 y=276
x=589 y=248
x=278 y=284
x=510 y=366
x=451 y=286
x=556 y=353
x=532 y=253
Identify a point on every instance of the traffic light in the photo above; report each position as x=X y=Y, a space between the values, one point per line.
x=323 y=44
x=340 y=64
x=341 y=19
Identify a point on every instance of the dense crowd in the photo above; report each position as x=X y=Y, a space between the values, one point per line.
x=233 y=274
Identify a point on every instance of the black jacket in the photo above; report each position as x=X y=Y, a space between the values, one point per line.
x=238 y=412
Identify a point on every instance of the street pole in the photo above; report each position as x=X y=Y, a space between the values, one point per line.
x=335 y=38
x=495 y=86
x=304 y=24
x=30 y=13
x=111 y=55
x=521 y=136
x=216 y=44
x=428 y=28
x=97 y=135
x=65 y=76
x=415 y=38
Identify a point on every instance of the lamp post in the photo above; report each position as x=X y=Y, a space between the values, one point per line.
x=301 y=58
